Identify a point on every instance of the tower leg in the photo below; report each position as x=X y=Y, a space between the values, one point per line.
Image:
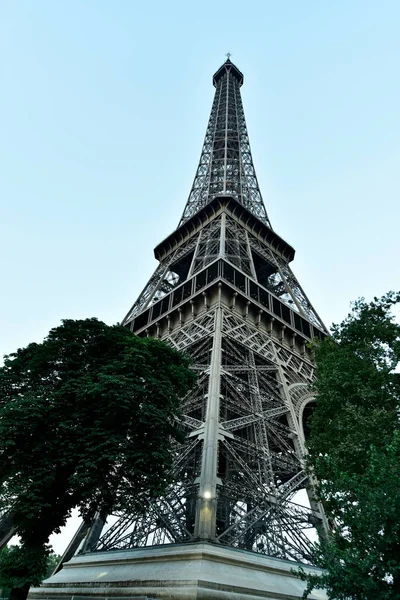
x=94 y=533
x=7 y=529
x=89 y=532
x=206 y=505
x=73 y=545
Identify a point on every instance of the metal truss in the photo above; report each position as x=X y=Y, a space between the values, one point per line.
x=300 y=299
x=163 y=280
x=276 y=275
x=226 y=237
x=224 y=294
x=199 y=329
x=208 y=246
x=226 y=165
x=258 y=458
x=237 y=248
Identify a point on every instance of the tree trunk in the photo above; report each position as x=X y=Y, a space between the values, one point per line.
x=19 y=593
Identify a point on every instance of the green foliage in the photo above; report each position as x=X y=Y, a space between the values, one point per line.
x=354 y=451
x=52 y=562
x=86 y=420
x=20 y=566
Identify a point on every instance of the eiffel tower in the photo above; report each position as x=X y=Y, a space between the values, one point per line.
x=225 y=294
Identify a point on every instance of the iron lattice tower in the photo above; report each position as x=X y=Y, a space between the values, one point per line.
x=225 y=294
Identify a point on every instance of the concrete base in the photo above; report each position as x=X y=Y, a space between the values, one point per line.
x=196 y=571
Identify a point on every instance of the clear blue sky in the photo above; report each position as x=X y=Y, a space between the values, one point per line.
x=103 y=110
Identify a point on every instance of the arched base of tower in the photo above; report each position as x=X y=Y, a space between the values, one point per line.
x=198 y=571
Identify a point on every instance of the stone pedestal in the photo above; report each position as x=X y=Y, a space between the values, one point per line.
x=195 y=571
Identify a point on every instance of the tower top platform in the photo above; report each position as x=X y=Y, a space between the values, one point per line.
x=228 y=66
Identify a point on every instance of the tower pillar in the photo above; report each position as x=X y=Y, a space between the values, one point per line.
x=206 y=504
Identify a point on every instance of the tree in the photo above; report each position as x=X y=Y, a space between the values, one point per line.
x=86 y=420
x=354 y=452
x=13 y=570
x=52 y=563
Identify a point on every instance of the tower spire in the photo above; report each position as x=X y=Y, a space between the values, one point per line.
x=226 y=165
